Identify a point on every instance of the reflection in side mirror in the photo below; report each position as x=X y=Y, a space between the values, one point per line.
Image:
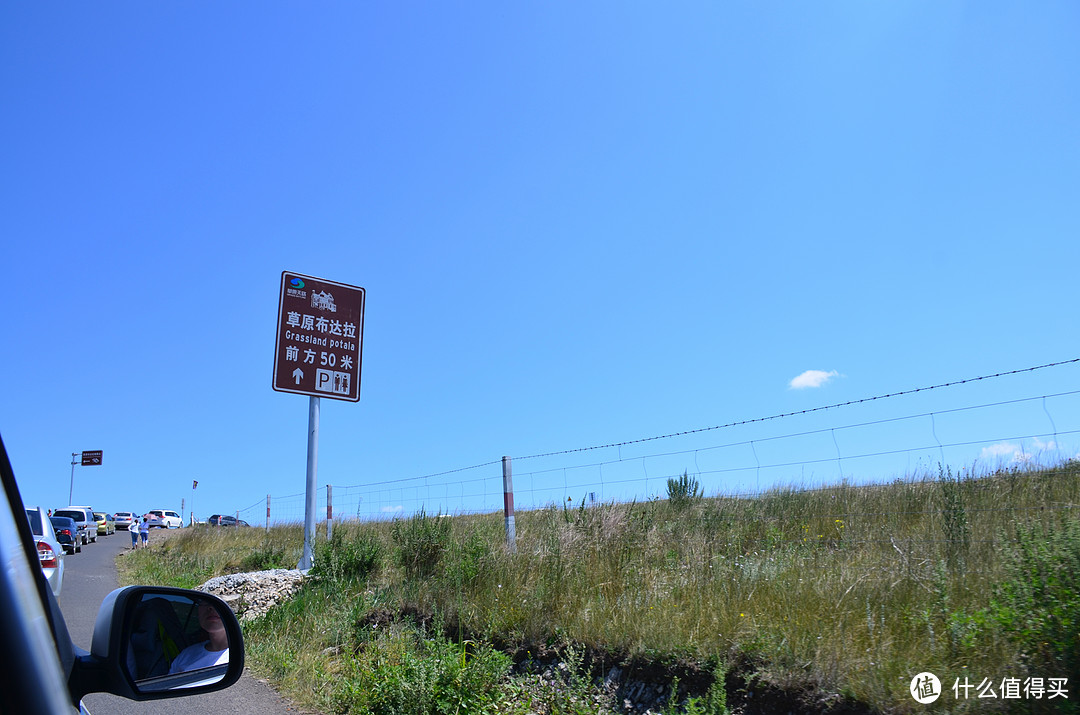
x=175 y=641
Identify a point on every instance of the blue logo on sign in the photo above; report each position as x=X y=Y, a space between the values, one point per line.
x=297 y=283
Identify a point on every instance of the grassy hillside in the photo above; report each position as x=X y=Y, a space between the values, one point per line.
x=836 y=597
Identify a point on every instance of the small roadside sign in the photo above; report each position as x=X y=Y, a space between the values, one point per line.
x=320 y=330
x=91 y=458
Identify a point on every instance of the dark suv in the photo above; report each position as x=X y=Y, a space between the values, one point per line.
x=67 y=533
x=226 y=520
x=84 y=520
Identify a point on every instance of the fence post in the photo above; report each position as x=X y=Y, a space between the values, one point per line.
x=329 y=511
x=268 y=512
x=508 y=505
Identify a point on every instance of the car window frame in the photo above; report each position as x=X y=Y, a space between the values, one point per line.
x=24 y=687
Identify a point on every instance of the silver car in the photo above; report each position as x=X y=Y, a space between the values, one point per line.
x=50 y=552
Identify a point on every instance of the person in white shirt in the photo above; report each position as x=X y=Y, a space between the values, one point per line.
x=133 y=529
x=213 y=651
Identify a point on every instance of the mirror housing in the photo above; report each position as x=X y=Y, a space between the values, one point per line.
x=138 y=637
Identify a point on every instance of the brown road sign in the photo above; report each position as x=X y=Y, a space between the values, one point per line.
x=91 y=458
x=320 y=330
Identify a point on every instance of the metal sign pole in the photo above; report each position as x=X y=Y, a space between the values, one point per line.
x=71 y=490
x=312 y=469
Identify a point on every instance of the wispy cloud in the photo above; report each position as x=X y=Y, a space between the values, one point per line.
x=1003 y=449
x=391 y=509
x=1016 y=453
x=812 y=378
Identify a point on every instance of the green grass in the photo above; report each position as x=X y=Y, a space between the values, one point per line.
x=845 y=592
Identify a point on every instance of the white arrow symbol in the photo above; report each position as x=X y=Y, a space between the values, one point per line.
x=298 y=375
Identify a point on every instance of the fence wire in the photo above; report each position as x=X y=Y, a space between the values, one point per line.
x=757 y=458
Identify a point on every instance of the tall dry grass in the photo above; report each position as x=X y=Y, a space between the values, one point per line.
x=847 y=590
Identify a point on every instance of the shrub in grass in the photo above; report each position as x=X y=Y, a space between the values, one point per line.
x=347 y=557
x=1038 y=606
x=420 y=543
x=955 y=526
x=407 y=670
x=468 y=559
x=266 y=557
x=714 y=702
x=683 y=491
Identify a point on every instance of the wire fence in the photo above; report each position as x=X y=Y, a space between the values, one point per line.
x=860 y=442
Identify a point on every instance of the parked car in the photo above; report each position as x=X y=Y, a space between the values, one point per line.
x=134 y=632
x=226 y=520
x=50 y=552
x=122 y=519
x=105 y=523
x=84 y=519
x=67 y=533
x=164 y=519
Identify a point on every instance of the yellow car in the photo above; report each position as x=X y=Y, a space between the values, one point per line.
x=105 y=523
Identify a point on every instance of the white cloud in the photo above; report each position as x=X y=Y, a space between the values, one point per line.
x=391 y=509
x=1003 y=449
x=1016 y=454
x=1044 y=446
x=812 y=378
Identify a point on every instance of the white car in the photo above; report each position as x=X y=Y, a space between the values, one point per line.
x=164 y=518
x=50 y=552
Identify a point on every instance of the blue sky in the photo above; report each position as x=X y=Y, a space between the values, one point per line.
x=577 y=224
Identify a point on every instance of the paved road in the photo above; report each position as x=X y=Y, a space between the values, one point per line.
x=89 y=577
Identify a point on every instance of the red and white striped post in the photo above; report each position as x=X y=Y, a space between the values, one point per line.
x=508 y=505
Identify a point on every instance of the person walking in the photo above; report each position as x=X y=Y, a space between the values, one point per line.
x=133 y=529
x=144 y=531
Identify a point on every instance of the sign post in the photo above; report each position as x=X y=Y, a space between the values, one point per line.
x=320 y=331
x=71 y=489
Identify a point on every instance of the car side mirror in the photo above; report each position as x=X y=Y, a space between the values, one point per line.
x=156 y=642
